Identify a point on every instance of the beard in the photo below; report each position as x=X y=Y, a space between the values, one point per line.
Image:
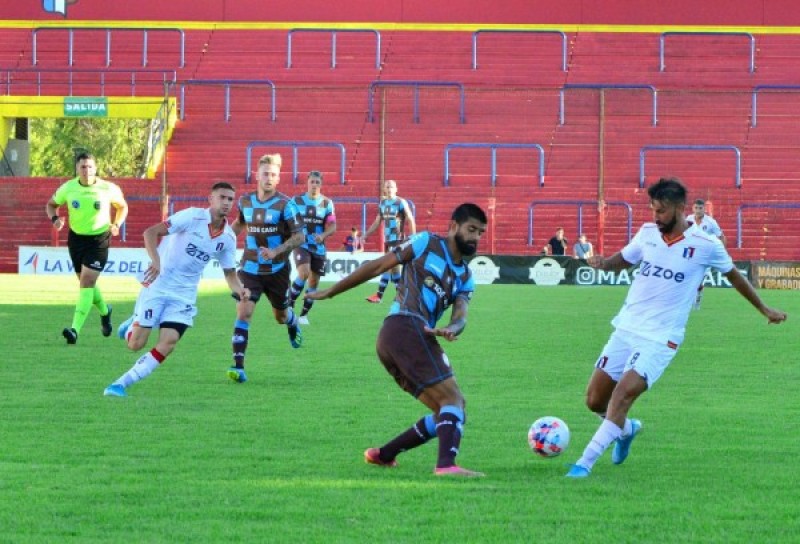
x=666 y=228
x=466 y=249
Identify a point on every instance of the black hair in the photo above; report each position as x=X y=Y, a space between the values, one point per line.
x=222 y=185
x=84 y=156
x=700 y=202
x=467 y=211
x=668 y=190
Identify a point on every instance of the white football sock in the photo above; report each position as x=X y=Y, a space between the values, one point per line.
x=139 y=371
x=602 y=439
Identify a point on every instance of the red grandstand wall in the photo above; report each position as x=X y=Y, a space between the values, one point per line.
x=561 y=12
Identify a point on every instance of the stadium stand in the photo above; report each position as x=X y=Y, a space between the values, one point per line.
x=513 y=95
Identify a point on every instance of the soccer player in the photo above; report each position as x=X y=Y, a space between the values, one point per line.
x=274 y=228
x=434 y=278
x=673 y=257
x=319 y=219
x=89 y=200
x=709 y=226
x=396 y=215
x=168 y=300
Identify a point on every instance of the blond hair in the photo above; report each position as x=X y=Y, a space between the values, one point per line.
x=274 y=158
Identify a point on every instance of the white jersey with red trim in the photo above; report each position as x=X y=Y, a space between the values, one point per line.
x=665 y=285
x=188 y=248
x=708 y=224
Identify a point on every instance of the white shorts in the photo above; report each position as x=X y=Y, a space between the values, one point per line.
x=625 y=351
x=154 y=307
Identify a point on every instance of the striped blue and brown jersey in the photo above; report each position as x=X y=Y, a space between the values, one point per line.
x=431 y=281
x=268 y=224
x=316 y=214
x=393 y=213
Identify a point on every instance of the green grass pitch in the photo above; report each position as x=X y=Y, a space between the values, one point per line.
x=192 y=457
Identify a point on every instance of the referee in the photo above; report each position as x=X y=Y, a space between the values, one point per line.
x=89 y=200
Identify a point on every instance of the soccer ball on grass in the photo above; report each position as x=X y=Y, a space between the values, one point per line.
x=548 y=436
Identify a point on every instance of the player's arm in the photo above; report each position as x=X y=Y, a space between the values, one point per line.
x=151 y=237
x=235 y=284
x=373 y=226
x=412 y=224
x=52 y=214
x=614 y=263
x=330 y=229
x=120 y=213
x=458 y=321
x=745 y=288
x=365 y=272
x=239 y=224
x=722 y=239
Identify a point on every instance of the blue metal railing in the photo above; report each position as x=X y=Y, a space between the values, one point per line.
x=71 y=41
x=747 y=35
x=489 y=31
x=742 y=207
x=416 y=85
x=334 y=32
x=603 y=87
x=167 y=76
x=580 y=204
x=123 y=229
x=295 y=145
x=494 y=147
x=754 y=100
x=733 y=148
x=227 y=84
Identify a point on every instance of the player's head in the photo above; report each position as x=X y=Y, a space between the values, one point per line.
x=269 y=172
x=467 y=225
x=314 y=182
x=667 y=200
x=85 y=165
x=389 y=189
x=699 y=207
x=560 y=233
x=221 y=198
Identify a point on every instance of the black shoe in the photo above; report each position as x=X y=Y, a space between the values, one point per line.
x=71 y=335
x=105 y=322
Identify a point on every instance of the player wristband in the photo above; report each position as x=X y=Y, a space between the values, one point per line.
x=54 y=218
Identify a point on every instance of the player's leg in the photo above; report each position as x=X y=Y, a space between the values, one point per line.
x=241 y=327
x=95 y=259
x=168 y=337
x=645 y=364
x=390 y=349
x=302 y=266
x=383 y=282
x=275 y=288
x=608 y=370
x=316 y=270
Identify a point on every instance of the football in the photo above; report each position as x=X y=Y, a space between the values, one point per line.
x=548 y=436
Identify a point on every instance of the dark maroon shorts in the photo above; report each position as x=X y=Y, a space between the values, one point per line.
x=414 y=359
x=274 y=286
x=316 y=263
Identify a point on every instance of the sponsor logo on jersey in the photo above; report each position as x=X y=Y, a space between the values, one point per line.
x=649 y=269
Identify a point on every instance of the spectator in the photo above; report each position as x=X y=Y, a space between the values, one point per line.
x=353 y=243
x=557 y=245
x=583 y=248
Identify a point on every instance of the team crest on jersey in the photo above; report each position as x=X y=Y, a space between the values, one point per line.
x=97 y=205
x=688 y=252
x=75 y=204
